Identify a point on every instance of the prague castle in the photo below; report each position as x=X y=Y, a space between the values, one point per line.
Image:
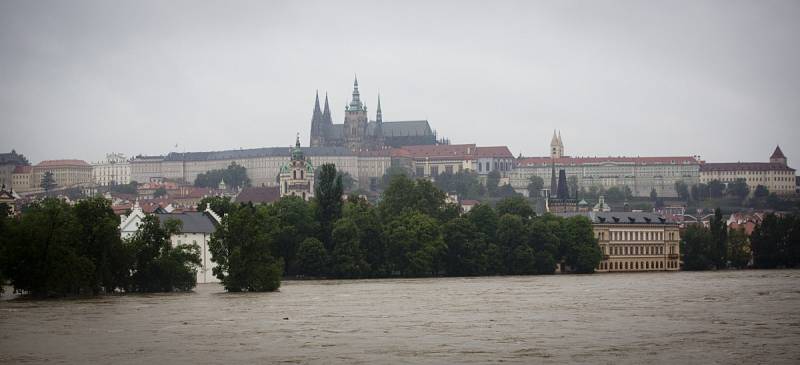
x=358 y=133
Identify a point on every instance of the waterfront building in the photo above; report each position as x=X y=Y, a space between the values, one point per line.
x=297 y=176
x=114 y=170
x=635 y=241
x=358 y=133
x=641 y=174
x=66 y=173
x=775 y=175
x=196 y=229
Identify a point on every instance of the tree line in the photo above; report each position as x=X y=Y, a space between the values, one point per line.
x=411 y=232
x=775 y=242
x=55 y=249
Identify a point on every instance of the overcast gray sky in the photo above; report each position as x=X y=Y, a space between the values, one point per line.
x=720 y=79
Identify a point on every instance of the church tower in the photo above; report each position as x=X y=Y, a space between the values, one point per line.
x=556 y=146
x=355 y=121
x=317 y=125
x=778 y=157
x=378 y=133
x=297 y=177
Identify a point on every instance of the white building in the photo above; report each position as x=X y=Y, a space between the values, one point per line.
x=116 y=169
x=196 y=228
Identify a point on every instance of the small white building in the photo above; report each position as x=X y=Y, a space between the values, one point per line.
x=196 y=228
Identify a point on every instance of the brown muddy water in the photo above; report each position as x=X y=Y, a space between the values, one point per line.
x=675 y=318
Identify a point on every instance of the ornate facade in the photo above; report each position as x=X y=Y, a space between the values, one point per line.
x=116 y=169
x=358 y=133
x=297 y=176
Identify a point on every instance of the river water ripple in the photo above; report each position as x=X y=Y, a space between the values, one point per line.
x=684 y=317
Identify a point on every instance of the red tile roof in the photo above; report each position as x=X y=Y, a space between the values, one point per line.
x=676 y=160
x=61 y=163
x=744 y=166
x=494 y=151
x=20 y=169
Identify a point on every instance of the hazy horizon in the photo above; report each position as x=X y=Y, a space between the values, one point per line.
x=719 y=79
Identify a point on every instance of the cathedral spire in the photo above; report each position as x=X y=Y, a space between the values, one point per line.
x=326 y=113
x=355 y=104
x=317 y=123
x=379 y=114
x=316 y=103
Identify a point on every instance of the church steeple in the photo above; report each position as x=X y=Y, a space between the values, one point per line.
x=355 y=103
x=326 y=113
x=379 y=114
x=317 y=124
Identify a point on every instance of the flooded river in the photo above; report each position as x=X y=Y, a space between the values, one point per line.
x=711 y=317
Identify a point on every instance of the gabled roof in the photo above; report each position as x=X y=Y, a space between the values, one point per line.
x=409 y=128
x=258 y=194
x=192 y=222
x=778 y=153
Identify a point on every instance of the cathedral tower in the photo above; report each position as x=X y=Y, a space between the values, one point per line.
x=556 y=146
x=355 y=122
x=317 y=124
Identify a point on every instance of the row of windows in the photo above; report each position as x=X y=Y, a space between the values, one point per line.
x=637 y=250
x=638 y=236
x=637 y=265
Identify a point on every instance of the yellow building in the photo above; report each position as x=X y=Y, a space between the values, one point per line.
x=635 y=241
x=66 y=173
x=775 y=175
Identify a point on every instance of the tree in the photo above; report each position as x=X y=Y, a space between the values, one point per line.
x=581 y=249
x=697 y=247
x=390 y=173
x=158 y=266
x=535 y=186
x=370 y=234
x=492 y=182
x=43 y=254
x=545 y=240
x=761 y=192
x=738 y=189
x=700 y=192
x=653 y=195
x=615 y=194
x=219 y=204
x=738 y=248
x=463 y=183
x=295 y=223
x=242 y=247
x=415 y=245
x=328 y=194
x=715 y=189
x=101 y=243
x=48 y=181
x=512 y=233
x=682 y=190
x=484 y=218
x=312 y=259
x=404 y=195
x=235 y=176
x=719 y=235
x=161 y=191
x=516 y=205
x=129 y=188
x=466 y=248
x=347 y=257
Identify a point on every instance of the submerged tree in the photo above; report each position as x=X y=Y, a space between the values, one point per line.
x=242 y=248
x=159 y=266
